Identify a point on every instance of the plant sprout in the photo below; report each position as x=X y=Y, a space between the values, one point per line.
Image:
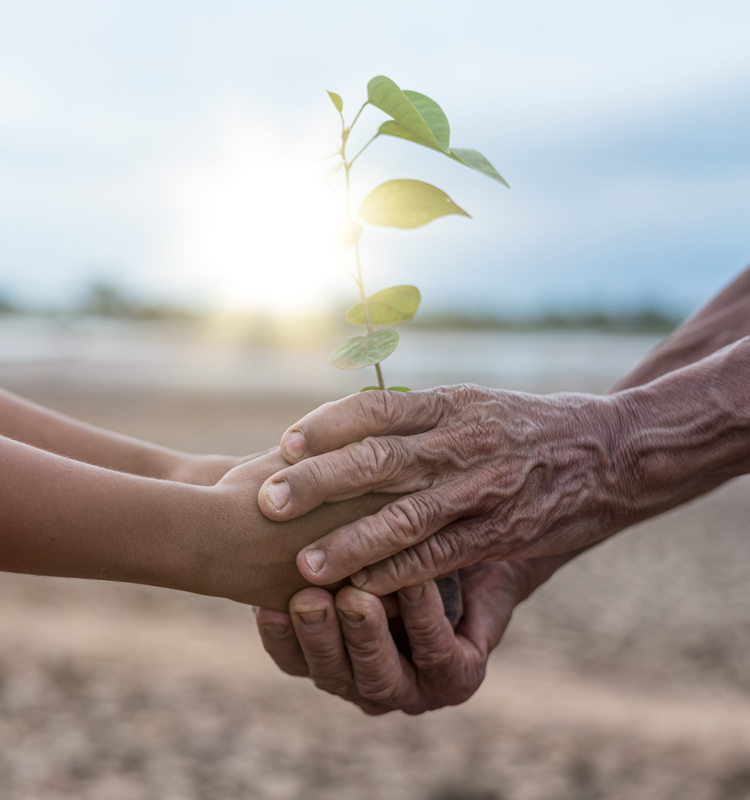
x=399 y=203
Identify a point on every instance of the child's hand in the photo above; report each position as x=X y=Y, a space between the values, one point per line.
x=206 y=470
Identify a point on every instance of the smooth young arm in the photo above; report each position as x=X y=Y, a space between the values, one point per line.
x=66 y=518
x=40 y=427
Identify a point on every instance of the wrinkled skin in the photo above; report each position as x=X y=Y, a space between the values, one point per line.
x=343 y=643
x=330 y=651
x=489 y=474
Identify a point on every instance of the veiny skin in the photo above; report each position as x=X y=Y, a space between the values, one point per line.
x=358 y=661
x=506 y=475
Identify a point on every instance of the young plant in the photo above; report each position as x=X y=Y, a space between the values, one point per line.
x=401 y=203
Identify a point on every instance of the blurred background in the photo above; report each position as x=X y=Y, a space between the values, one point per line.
x=164 y=273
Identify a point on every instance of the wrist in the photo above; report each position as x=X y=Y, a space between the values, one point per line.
x=685 y=433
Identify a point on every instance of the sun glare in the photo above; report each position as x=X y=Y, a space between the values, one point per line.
x=260 y=225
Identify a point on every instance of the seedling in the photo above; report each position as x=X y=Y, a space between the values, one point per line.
x=401 y=203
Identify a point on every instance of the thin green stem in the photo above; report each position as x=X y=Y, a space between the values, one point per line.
x=354 y=277
x=358 y=113
x=348 y=205
x=366 y=307
x=363 y=149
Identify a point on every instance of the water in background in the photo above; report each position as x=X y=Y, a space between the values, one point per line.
x=179 y=356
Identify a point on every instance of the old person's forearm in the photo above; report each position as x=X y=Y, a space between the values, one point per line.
x=722 y=321
x=685 y=433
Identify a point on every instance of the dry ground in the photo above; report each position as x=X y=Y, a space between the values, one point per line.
x=625 y=677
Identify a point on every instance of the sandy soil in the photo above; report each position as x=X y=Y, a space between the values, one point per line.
x=625 y=677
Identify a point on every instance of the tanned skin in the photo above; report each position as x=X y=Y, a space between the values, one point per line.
x=79 y=501
x=343 y=643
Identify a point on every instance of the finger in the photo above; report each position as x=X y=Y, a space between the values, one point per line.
x=450 y=668
x=490 y=593
x=431 y=637
x=384 y=464
x=317 y=627
x=371 y=539
x=358 y=416
x=380 y=673
x=280 y=642
x=454 y=546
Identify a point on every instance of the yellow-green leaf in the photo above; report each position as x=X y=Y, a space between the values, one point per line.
x=399 y=389
x=388 y=307
x=384 y=94
x=475 y=160
x=365 y=351
x=336 y=100
x=466 y=156
x=369 y=389
x=406 y=204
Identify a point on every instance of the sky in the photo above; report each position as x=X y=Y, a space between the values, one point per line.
x=169 y=147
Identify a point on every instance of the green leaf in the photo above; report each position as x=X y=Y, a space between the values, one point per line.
x=384 y=94
x=468 y=157
x=475 y=160
x=406 y=204
x=365 y=351
x=387 y=307
x=347 y=233
x=336 y=100
x=433 y=115
x=369 y=389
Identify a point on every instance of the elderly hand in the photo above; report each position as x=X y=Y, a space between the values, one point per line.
x=490 y=475
x=505 y=475
x=344 y=644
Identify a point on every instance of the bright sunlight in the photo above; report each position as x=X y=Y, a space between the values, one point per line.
x=259 y=222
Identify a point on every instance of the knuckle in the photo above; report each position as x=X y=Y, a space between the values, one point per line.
x=404 y=568
x=433 y=662
x=411 y=515
x=313 y=471
x=373 y=457
x=325 y=655
x=378 y=407
x=341 y=687
x=431 y=556
x=377 y=690
x=294 y=670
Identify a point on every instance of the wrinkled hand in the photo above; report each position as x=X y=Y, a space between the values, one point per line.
x=490 y=475
x=344 y=644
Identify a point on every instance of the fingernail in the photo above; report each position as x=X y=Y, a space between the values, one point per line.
x=354 y=617
x=412 y=594
x=279 y=494
x=312 y=619
x=315 y=560
x=295 y=445
x=359 y=579
x=275 y=631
